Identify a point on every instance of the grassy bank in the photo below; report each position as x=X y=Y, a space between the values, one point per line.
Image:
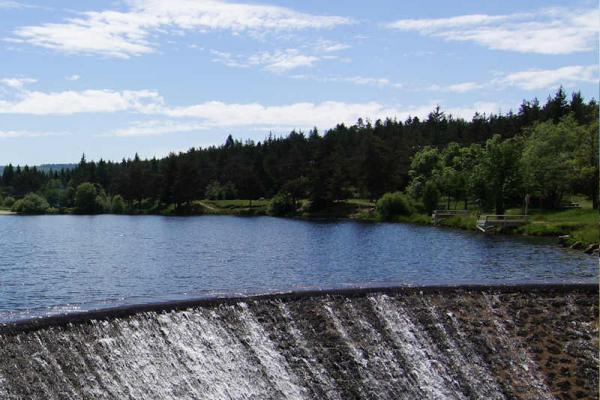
x=581 y=225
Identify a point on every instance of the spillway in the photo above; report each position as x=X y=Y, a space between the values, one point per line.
x=524 y=342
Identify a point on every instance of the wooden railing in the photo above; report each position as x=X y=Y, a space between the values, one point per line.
x=487 y=223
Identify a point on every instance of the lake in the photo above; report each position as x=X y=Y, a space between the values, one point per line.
x=56 y=264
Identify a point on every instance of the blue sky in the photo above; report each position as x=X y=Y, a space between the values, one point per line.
x=111 y=78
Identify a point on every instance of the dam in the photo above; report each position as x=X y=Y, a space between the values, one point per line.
x=435 y=342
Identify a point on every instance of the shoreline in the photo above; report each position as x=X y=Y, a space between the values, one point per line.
x=362 y=216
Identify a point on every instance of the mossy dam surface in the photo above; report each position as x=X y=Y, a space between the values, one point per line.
x=464 y=342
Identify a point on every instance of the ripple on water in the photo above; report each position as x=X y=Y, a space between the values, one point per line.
x=82 y=261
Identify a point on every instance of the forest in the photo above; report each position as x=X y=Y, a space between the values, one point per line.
x=546 y=151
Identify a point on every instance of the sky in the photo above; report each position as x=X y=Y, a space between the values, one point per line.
x=112 y=78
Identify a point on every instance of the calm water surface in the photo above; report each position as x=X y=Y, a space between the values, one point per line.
x=53 y=264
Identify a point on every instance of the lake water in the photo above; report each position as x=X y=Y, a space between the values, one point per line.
x=55 y=264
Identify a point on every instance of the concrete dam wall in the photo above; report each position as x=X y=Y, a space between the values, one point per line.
x=524 y=342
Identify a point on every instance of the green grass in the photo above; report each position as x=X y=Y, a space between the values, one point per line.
x=361 y=202
x=238 y=203
x=415 y=218
x=581 y=224
x=461 y=221
x=235 y=207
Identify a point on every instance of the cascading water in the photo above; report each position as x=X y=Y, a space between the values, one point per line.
x=452 y=343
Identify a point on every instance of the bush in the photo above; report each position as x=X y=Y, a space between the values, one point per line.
x=391 y=205
x=118 y=205
x=87 y=199
x=102 y=202
x=282 y=204
x=9 y=201
x=31 y=204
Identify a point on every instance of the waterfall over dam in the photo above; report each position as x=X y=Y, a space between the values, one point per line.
x=525 y=342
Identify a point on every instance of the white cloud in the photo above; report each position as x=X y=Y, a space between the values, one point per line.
x=307 y=114
x=157 y=127
x=16 y=83
x=72 y=77
x=361 y=80
x=109 y=33
x=355 y=80
x=12 y=4
x=126 y=34
x=532 y=79
x=464 y=87
x=229 y=59
x=28 y=134
x=481 y=107
x=329 y=46
x=87 y=101
x=548 y=31
x=428 y=25
x=281 y=61
x=277 y=61
x=213 y=114
x=549 y=78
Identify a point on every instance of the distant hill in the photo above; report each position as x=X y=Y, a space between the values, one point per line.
x=49 y=167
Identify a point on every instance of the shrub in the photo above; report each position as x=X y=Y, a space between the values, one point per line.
x=102 y=202
x=391 y=205
x=9 y=201
x=118 y=205
x=282 y=204
x=31 y=204
x=149 y=205
x=87 y=199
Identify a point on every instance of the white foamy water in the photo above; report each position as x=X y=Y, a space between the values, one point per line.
x=331 y=347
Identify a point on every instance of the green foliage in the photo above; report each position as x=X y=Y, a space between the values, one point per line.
x=392 y=205
x=190 y=208
x=499 y=167
x=467 y=222
x=586 y=234
x=88 y=200
x=118 y=205
x=282 y=204
x=425 y=162
x=216 y=191
x=52 y=191
x=548 y=160
x=31 y=204
x=431 y=197
x=9 y=201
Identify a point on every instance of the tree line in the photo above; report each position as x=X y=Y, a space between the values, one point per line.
x=493 y=159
